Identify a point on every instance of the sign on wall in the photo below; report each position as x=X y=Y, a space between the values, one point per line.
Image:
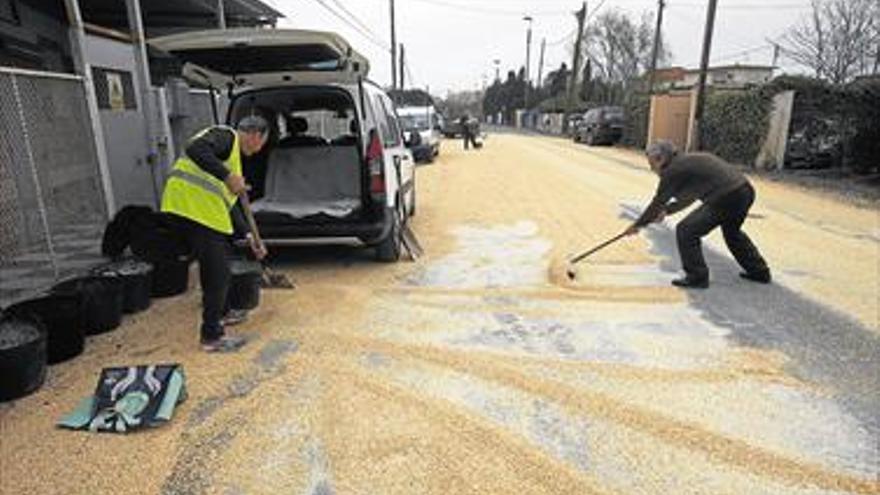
x=115 y=92
x=114 y=89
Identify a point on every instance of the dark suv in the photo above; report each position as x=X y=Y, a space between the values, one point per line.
x=601 y=125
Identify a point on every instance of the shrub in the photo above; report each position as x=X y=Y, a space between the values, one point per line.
x=735 y=124
x=635 y=129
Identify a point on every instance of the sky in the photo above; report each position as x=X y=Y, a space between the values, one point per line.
x=451 y=45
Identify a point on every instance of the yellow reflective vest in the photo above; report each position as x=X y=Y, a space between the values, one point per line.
x=192 y=193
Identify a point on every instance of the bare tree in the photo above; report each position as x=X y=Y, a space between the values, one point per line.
x=619 y=49
x=838 y=41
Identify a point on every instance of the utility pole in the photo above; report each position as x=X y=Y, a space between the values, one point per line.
x=541 y=63
x=877 y=58
x=656 y=49
x=528 y=19
x=402 y=62
x=393 y=49
x=695 y=143
x=221 y=15
x=497 y=69
x=575 y=66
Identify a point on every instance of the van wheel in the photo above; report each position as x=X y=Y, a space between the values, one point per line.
x=389 y=249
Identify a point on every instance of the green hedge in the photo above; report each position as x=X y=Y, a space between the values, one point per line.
x=841 y=118
x=635 y=130
x=736 y=123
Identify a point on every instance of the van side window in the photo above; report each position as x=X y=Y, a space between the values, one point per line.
x=382 y=120
x=392 y=120
x=391 y=131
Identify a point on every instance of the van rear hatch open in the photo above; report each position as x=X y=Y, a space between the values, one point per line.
x=262 y=57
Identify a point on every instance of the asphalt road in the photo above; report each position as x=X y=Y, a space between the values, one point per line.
x=482 y=369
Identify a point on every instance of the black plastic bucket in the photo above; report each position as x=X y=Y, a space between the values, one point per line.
x=101 y=298
x=22 y=356
x=62 y=318
x=137 y=279
x=244 y=285
x=170 y=277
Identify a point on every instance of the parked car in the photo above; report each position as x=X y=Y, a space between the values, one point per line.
x=335 y=166
x=574 y=125
x=602 y=125
x=421 y=127
x=451 y=127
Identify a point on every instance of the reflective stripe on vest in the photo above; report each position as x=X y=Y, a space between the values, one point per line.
x=192 y=193
x=201 y=182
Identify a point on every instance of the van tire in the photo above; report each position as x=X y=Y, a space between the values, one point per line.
x=389 y=249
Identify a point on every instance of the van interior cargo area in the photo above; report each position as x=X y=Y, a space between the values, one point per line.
x=311 y=166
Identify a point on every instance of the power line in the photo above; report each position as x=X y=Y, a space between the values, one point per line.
x=571 y=33
x=355 y=19
x=746 y=6
x=470 y=8
x=368 y=36
x=565 y=38
x=595 y=11
x=733 y=55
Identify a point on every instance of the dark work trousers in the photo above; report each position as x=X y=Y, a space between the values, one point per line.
x=469 y=139
x=729 y=212
x=211 y=249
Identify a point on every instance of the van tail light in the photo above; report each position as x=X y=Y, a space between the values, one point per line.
x=376 y=165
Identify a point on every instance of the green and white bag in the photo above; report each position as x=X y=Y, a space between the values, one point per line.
x=130 y=398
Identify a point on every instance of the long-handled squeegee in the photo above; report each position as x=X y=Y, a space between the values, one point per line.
x=576 y=259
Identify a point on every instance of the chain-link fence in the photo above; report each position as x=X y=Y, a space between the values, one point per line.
x=52 y=206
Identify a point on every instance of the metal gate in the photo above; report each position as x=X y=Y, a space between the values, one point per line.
x=52 y=206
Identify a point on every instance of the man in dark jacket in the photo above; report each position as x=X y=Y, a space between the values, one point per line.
x=467 y=132
x=726 y=196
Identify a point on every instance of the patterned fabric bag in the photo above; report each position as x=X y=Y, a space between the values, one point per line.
x=130 y=398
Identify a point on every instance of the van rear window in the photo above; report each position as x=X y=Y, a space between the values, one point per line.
x=257 y=59
x=317 y=115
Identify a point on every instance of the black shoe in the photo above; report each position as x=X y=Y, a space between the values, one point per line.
x=762 y=277
x=689 y=282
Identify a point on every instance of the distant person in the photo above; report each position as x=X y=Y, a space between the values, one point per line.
x=467 y=132
x=201 y=194
x=726 y=197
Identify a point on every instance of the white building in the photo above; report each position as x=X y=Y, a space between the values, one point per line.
x=730 y=76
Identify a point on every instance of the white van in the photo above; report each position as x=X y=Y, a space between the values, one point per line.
x=336 y=168
x=425 y=122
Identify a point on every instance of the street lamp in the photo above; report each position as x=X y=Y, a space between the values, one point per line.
x=528 y=19
x=497 y=73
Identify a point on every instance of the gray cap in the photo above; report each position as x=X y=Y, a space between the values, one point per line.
x=662 y=149
x=253 y=123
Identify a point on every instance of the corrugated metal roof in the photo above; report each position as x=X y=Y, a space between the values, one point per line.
x=180 y=13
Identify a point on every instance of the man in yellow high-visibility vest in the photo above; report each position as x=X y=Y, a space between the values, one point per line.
x=201 y=193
